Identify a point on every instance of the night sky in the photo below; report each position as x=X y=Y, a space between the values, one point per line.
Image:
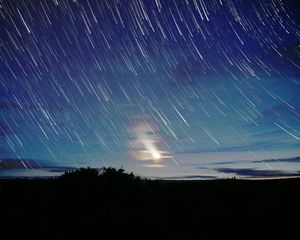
x=164 y=88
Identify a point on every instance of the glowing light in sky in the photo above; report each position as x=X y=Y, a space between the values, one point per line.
x=146 y=143
x=156 y=154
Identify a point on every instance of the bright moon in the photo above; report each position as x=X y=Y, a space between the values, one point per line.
x=148 y=141
x=156 y=155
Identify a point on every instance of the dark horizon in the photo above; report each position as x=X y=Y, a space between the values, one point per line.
x=87 y=204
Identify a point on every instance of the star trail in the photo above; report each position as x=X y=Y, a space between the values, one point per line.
x=163 y=88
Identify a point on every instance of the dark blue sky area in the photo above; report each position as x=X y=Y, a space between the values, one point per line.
x=162 y=88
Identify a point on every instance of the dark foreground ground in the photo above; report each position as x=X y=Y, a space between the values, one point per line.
x=95 y=208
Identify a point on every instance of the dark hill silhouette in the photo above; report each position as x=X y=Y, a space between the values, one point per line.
x=91 y=203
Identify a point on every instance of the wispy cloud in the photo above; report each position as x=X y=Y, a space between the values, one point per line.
x=250 y=172
x=15 y=163
x=29 y=164
x=292 y=160
x=191 y=177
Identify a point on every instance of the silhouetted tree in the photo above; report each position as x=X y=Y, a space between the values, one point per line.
x=81 y=174
x=113 y=175
x=106 y=174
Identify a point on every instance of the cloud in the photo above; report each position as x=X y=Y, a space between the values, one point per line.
x=190 y=177
x=27 y=173
x=251 y=172
x=292 y=160
x=29 y=168
x=153 y=165
x=16 y=163
x=224 y=163
x=58 y=169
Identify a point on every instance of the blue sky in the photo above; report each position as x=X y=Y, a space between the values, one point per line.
x=175 y=89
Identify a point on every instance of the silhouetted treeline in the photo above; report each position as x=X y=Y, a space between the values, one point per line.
x=102 y=204
x=93 y=174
